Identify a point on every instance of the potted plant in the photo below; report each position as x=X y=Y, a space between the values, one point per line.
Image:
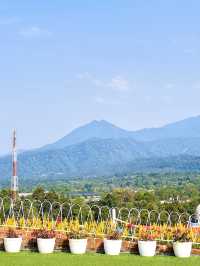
x=77 y=241
x=12 y=242
x=147 y=242
x=182 y=242
x=113 y=242
x=45 y=240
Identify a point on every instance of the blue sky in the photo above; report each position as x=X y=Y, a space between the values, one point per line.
x=64 y=63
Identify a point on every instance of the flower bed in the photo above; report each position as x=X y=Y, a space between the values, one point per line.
x=127 y=235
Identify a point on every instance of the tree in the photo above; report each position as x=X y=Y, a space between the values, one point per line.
x=39 y=194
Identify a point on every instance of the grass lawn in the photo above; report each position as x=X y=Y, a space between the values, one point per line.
x=59 y=259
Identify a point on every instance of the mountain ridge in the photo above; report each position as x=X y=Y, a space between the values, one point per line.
x=108 y=150
x=99 y=129
x=97 y=157
x=186 y=128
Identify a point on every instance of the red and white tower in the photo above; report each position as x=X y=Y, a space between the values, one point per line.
x=14 y=178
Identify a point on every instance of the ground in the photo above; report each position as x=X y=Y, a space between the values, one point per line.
x=35 y=259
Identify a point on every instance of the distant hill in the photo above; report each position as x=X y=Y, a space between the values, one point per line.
x=104 y=157
x=92 y=157
x=188 y=128
x=102 y=149
x=96 y=129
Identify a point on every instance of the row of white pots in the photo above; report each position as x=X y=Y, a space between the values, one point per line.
x=148 y=248
x=13 y=245
x=77 y=246
x=181 y=249
x=111 y=247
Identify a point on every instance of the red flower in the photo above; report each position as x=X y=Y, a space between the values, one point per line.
x=58 y=220
x=130 y=226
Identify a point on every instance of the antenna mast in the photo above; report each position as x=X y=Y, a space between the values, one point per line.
x=14 y=178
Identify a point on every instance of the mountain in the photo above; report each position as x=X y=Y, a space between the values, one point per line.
x=96 y=129
x=188 y=128
x=173 y=147
x=92 y=157
x=97 y=157
x=100 y=148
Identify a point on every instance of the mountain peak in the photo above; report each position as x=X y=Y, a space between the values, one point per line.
x=101 y=129
x=100 y=123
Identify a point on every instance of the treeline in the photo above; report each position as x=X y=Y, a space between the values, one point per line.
x=171 y=199
x=98 y=185
x=184 y=198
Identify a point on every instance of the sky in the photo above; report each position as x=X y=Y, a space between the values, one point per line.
x=134 y=63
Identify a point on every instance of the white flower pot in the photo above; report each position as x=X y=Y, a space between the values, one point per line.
x=78 y=246
x=147 y=248
x=112 y=247
x=45 y=245
x=182 y=249
x=12 y=244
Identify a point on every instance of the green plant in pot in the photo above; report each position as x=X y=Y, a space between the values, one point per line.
x=77 y=240
x=182 y=242
x=113 y=241
x=45 y=240
x=13 y=241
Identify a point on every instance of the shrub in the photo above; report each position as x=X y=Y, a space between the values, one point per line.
x=12 y=233
x=77 y=232
x=182 y=235
x=147 y=233
x=44 y=233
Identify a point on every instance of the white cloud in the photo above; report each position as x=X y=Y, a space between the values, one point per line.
x=108 y=101
x=169 y=85
x=188 y=51
x=34 y=31
x=8 y=20
x=168 y=100
x=100 y=100
x=148 y=99
x=117 y=83
x=85 y=75
x=196 y=85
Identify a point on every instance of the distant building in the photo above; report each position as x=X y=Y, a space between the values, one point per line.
x=195 y=219
x=25 y=194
